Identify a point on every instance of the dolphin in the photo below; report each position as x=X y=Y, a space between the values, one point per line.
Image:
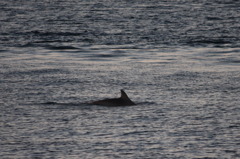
x=122 y=101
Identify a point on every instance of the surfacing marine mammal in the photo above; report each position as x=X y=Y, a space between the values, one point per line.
x=124 y=100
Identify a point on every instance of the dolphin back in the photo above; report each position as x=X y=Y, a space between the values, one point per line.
x=124 y=100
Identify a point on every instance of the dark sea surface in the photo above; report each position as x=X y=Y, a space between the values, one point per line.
x=178 y=60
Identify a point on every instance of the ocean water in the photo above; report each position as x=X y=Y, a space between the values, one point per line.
x=178 y=60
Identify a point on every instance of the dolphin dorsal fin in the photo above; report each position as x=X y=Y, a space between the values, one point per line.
x=124 y=95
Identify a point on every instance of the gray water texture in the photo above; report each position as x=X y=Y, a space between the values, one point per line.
x=177 y=60
x=109 y=22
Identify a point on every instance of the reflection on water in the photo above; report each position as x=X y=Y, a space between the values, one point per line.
x=199 y=58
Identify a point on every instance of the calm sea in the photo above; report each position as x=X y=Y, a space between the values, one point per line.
x=179 y=60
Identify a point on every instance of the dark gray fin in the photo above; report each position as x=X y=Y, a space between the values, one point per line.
x=124 y=95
